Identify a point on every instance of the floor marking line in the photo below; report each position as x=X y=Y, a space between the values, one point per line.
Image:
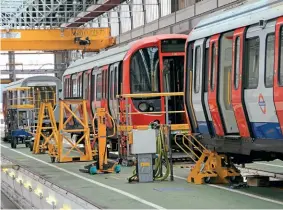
x=268 y=164
x=92 y=181
x=239 y=192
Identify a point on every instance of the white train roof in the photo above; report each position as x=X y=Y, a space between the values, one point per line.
x=38 y=78
x=248 y=13
x=110 y=56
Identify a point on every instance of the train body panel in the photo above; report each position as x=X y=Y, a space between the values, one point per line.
x=258 y=93
x=244 y=98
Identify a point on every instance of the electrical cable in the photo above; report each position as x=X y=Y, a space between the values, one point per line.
x=160 y=160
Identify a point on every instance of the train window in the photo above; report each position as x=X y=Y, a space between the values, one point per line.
x=74 y=86
x=252 y=63
x=206 y=68
x=85 y=86
x=197 y=69
x=237 y=63
x=281 y=59
x=99 y=87
x=111 y=86
x=269 y=60
x=213 y=63
x=115 y=82
x=80 y=86
x=103 y=78
x=144 y=71
x=106 y=83
x=93 y=87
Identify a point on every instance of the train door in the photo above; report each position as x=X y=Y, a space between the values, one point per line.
x=237 y=83
x=213 y=84
x=113 y=89
x=205 y=84
x=197 y=92
x=224 y=90
x=258 y=93
x=173 y=71
x=278 y=71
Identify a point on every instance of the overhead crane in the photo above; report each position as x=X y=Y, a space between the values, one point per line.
x=86 y=39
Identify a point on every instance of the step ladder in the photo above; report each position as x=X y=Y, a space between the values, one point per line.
x=210 y=167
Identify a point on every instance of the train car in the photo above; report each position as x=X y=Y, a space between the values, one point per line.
x=234 y=81
x=149 y=65
x=44 y=87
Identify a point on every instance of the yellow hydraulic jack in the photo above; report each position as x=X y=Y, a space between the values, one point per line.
x=40 y=146
x=102 y=163
x=210 y=167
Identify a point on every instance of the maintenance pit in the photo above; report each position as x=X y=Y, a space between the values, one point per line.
x=113 y=190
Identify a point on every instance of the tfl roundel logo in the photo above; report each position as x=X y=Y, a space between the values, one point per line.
x=261 y=103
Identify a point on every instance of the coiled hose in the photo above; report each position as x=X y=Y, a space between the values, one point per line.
x=161 y=154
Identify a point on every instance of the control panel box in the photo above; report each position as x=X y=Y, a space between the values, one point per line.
x=144 y=141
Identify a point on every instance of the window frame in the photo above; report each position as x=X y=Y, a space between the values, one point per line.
x=265 y=69
x=246 y=83
x=237 y=60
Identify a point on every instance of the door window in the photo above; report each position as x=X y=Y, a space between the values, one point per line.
x=213 y=68
x=237 y=63
x=252 y=57
x=99 y=87
x=74 y=85
x=111 y=83
x=197 y=69
x=269 y=60
x=85 y=85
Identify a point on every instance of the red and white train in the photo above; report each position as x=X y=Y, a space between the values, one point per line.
x=135 y=68
x=234 y=81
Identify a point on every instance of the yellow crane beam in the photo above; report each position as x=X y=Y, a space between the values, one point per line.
x=6 y=81
x=88 y=39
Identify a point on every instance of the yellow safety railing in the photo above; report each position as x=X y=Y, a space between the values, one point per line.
x=125 y=127
x=152 y=95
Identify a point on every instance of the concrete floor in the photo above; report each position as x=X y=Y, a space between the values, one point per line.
x=113 y=190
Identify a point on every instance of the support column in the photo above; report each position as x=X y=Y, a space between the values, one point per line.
x=61 y=62
x=144 y=12
x=12 y=66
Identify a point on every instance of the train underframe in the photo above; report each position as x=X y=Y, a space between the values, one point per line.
x=246 y=150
